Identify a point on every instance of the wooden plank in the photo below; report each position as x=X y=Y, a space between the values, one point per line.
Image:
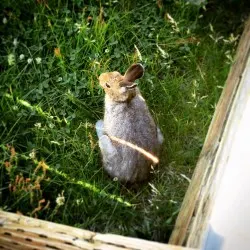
x=228 y=209
x=134 y=243
x=21 y=232
x=204 y=170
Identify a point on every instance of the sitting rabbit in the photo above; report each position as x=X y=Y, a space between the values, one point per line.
x=128 y=137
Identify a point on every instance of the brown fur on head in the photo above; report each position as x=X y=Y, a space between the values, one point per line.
x=121 y=88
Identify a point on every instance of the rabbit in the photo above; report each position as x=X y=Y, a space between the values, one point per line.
x=127 y=127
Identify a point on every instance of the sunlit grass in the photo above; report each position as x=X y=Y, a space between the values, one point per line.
x=91 y=187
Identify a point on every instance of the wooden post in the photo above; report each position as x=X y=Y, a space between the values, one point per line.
x=197 y=205
x=22 y=232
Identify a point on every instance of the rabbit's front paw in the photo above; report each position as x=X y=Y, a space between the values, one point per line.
x=99 y=126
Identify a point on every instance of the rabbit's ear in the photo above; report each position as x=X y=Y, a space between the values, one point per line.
x=134 y=72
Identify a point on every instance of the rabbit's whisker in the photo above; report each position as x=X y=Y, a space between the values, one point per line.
x=154 y=159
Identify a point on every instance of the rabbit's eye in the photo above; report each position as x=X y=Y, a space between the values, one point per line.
x=107 y=85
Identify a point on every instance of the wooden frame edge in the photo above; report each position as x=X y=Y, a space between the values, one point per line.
x=22 y=232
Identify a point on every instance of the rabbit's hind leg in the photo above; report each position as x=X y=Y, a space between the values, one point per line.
x=110 y=155
x=107 y=148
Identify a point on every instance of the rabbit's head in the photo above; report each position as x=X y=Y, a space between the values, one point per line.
x=121 y=88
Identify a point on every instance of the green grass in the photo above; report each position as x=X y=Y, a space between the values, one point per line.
x=49 y=157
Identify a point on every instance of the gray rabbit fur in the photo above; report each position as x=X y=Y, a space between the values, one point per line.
x=126 y=117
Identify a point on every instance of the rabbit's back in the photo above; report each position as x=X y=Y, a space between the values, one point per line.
x=133 y=123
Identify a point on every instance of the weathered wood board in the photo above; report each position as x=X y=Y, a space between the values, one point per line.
x=230 y=118
x=229 y=209
x=21 y=232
